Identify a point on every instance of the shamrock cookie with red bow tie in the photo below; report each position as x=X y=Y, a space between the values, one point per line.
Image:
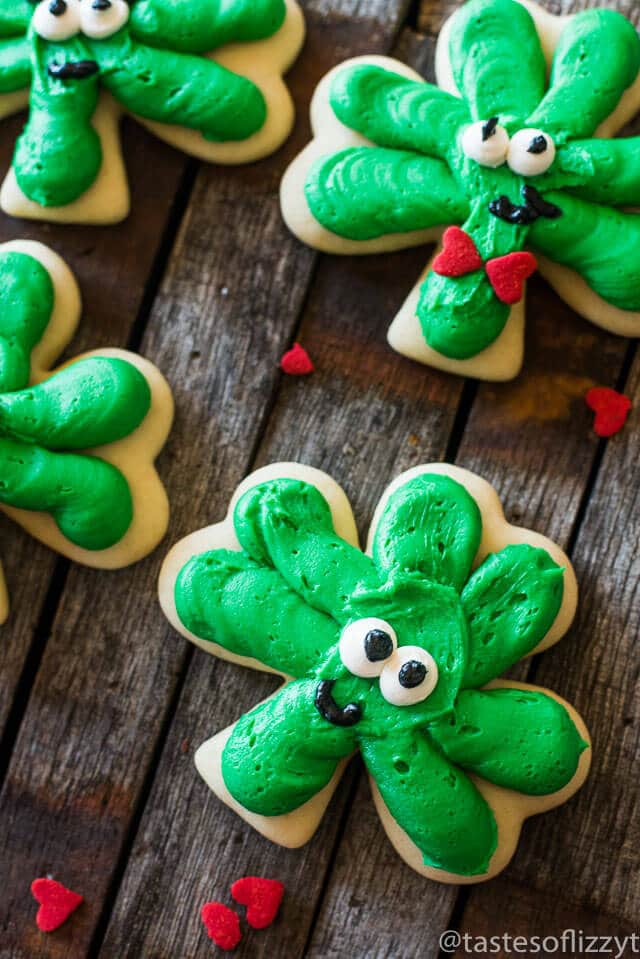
x=509 y=160
x=204 y=75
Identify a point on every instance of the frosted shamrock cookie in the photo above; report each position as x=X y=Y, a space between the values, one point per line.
x=510 y=155
x=394 y=652
x=204 y=75
x=77 y=445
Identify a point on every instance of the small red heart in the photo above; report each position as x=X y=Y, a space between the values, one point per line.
x=262 y=897
x=611 y=409
x=459 y=254
x=56 y=903
x=507 y=275
x=296 y=361
x=223 y=925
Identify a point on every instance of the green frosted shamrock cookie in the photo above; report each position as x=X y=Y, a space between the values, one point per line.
x=77 y=445
x=510 y=155
x=394 y=653
x=204 y=75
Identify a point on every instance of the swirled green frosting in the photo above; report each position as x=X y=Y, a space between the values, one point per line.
x=416 y=175
x=154 y=66
x=45 y=428
x=284 y=601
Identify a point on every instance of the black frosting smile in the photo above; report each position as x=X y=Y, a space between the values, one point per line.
x=326 y=705
x=534 y=207
x=73 y=69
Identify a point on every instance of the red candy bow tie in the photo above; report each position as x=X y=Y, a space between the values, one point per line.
x=507 y=274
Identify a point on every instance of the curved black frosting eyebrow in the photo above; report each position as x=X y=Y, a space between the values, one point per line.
x=489 y=128
x=326 y=705
x=73 y=70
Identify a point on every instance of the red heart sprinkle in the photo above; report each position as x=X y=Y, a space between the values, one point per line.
x=223 y=925
x=262 y=897
x=459 y=254
x=507 y=275
x=56 y=903
x=297 y=362
x=611 y=409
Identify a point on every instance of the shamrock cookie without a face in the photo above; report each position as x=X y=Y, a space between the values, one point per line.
x=503 y=157
x=77 y=445
x=394 y=653
x=204 y=75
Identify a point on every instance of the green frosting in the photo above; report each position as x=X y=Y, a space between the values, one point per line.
x=194 y=27
x=416 y=175
x=285 y=599
x=45 y=428
x=154 y=66
x=58 y=156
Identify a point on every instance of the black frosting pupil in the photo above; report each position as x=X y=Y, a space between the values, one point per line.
x=412 y=674
x=378 y=645
x=57 y=7
x=538 y=145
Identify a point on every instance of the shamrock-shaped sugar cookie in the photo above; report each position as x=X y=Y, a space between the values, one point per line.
x=394 y=653
x=205 y=75
x=511 y=152
x=77 y=445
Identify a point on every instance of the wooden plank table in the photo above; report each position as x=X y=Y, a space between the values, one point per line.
x=102 y=705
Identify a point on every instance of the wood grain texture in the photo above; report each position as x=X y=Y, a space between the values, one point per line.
x=507 y=907
x=371 y=439
x=112 y=268
x=433 y=13
x=535 y=445
x=101 y=789
x=532 y=440
x=588 y=852
x=226 y=311
x=369 y=422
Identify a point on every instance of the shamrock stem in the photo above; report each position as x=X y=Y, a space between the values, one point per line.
x=59 y=155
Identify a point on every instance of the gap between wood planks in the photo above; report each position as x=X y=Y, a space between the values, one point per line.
x=62 y=566
x=54 y=607
x=53 y=601
x=462 y=416
x=456 y=919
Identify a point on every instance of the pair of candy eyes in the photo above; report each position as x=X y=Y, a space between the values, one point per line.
x=59 y=20
x=528 y=152
x=369 y=649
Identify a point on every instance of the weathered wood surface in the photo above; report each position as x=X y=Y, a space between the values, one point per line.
x=103 y=705
x=113 y=268
x=431 y=14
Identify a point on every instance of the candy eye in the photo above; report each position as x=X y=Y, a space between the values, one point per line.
x=486 y=142
x=531 y=152
x=56 y=19
x=409 y=677
x=366 y=645
x=102 y=18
